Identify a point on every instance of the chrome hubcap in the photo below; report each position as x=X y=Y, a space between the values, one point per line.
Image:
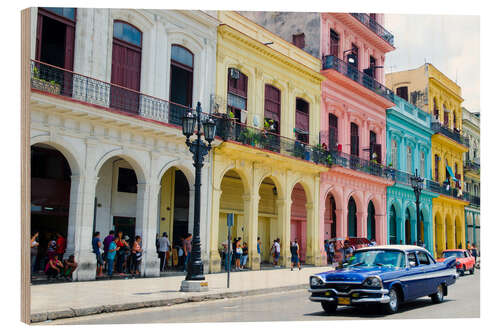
x=394 y=299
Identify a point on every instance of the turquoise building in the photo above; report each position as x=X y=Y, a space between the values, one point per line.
x=409 y=149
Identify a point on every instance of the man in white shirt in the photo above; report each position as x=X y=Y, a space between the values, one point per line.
x=164 y=251
x=276 y=252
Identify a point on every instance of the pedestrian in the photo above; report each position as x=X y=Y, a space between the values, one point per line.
x=112 y=249
x=51 y=247
x=339 y=253
x=238 y=254
x=137 y=255
x=327 y=251
x=54 y=267
x=96 y=248
x=276 y=252
x=244 y=256
x=294 y=250
x=259 y=249
x=474 y=252
x=331 y=252
x=108 y=240
x=70 y=265
x=60 y=245
x=187 y=246
x=123 y=245
x=34 y=251
x=163 y=249
x=127 y=254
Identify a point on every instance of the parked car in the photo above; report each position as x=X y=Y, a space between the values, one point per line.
x=465 y=261
x=385 y=275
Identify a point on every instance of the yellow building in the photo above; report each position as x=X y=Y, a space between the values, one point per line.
x=429 y=89
x=266 y=172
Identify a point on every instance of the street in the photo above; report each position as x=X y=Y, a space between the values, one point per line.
x=463 y=301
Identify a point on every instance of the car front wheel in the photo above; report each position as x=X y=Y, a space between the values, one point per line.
x=471 y=271
x=393 y=305
x=329 y=307
x=439 y=295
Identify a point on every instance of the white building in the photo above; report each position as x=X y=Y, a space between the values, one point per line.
x=108 y=91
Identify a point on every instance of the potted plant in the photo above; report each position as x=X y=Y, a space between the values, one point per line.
x=50 y=86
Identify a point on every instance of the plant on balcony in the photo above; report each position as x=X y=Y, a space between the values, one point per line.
x=50 y=86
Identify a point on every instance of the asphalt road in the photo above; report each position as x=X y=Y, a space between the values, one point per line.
x=462 y=302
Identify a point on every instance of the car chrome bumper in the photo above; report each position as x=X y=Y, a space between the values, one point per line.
x=338 y=293
x=384 y=299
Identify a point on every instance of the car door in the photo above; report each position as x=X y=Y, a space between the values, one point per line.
x=468 y=260
x=413 y=276
x=426 y=282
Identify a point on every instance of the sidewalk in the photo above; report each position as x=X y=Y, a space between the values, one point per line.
x=65 y=300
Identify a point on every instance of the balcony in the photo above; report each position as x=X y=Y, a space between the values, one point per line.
x=454 y=135
x=472 y=166
x=58 y=81
x=375 y=27
x=411 y=111
x=332 y=62
x=474 y=200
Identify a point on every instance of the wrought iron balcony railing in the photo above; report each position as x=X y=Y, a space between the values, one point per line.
x=474 y=200
x=374 y=26
x=454 y=135
x=332 y=62
x=473 y=166
x=58 y=81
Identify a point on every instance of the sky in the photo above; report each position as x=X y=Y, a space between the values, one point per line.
x=449 y=42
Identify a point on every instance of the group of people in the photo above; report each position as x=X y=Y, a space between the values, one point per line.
x=473 y=251
x=338 y=252
x=51 y=258
x=115 y=254
x=175 y=256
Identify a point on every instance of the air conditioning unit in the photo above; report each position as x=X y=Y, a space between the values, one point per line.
x=234 y=73
x=244 y=114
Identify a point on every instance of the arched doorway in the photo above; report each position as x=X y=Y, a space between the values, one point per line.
x=407 y=226
x=371 y=226
x=174 y=209
x=268 y=218
x=393 y=236
x=450 y=233
x=298 y=226
x=330 y=218
x=352 y=227
x=458 y=234
x=439 y=234
x=50 y=197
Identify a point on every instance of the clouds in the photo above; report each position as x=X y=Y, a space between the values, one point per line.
x=449 y=42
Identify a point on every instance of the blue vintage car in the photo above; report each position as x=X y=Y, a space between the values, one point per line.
x=387 y=275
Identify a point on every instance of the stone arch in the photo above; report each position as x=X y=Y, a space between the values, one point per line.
x=377 y=202
x=65 y=148
x=335 y=191
x=241 y=172
x=180 y=164
x=129 y=156
x=276 y=180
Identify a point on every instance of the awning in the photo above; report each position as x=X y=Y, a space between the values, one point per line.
x=450 y=172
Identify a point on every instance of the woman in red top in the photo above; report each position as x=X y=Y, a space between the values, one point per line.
x=122 y=244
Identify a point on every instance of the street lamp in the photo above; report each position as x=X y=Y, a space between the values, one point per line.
x=418 y=184
x=199 y=149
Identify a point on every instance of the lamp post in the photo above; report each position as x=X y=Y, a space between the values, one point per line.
x=199 y=149
x=418 y=184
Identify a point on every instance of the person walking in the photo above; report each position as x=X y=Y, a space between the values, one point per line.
x=34 y=252
x=238 y=254
x=96 y=248
x=277 y=251
x=331 y=252
x=326 y=247
x=163 y=249
x=60 y=246
x=294 y=250
x=187 y=246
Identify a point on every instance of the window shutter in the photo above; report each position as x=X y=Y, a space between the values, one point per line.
x=272 y=103
x=70 y=47
x=38 y=50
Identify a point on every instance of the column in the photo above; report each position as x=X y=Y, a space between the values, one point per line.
x=76 y=183
x=362 y=225
x=84 y=214
x=214 y=232
x=251 y=209
x=313 y=254
x=401 y=229
x=341 y=227
x=147 y=201
x=284 y=207
x=381 y=236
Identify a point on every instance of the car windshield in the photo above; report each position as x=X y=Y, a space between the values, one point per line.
x=380 y=258
x=458 y=254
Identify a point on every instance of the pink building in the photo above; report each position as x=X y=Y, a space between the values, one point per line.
x=352 y=47
x=353 y=123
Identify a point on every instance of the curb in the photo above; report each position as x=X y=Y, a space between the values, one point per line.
x=80 y=312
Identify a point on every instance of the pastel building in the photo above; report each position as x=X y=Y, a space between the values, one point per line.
x=409 y=151
x=109 y=88
x=352 y=48
x=472 y=173
x=433 y=92
x=267 y=171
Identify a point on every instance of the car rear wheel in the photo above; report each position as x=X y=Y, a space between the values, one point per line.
x=329 y=307
x=461 y=271
x=439 y=295
x=393 y=305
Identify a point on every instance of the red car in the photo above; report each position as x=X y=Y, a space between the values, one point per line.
x=465 y=261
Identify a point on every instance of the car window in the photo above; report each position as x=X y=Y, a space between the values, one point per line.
x=412 y=258
x=423 y=259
